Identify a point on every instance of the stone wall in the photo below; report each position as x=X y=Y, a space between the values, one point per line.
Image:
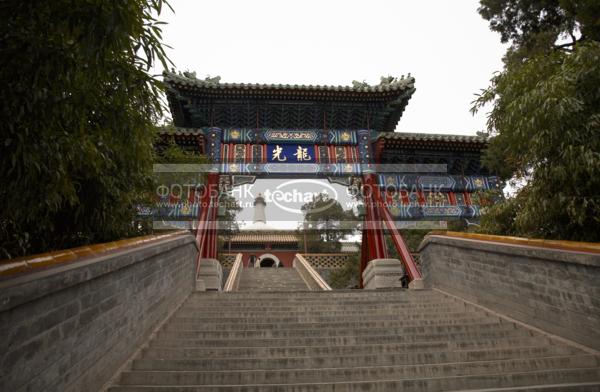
x=70 y=327
x=555 y=290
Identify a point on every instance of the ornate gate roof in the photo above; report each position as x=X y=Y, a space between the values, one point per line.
x=207 y=102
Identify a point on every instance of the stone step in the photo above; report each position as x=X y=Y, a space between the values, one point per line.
x=309 y=297
x=272 y=283
x=326 y=318
x=571 y=387
x=357 y=313
x=323 y=307
x=295 y=298
x=418 y=295
x=242 y=303
x=335 y=293
x=259 y=307
x=280 y=289
x=569 y=378
x=284 y=333
x=337 y=361
x=364 y=349
x=267 y=271
x=332 y=308
x=271 y=279
x=355 y=374
x=175 y=325
x=340 y=340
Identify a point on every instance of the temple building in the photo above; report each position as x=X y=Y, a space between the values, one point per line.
x=261 y=244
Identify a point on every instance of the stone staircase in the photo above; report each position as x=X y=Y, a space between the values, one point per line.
x=403 y=340
x=271 y=279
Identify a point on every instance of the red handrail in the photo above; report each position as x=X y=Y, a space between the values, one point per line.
x=406 y=257
x=206 y=220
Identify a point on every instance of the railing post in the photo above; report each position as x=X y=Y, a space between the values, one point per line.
x=414 y=275
x=311 y=277
x=233 y=279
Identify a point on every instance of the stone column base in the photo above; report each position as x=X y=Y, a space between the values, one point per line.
x=210 y=275
x=383 y=273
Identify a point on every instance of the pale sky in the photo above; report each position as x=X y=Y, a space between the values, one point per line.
x=444 y=44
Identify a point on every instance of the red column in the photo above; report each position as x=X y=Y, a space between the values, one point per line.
x=373 y=245
x=375 y=233
x=211 y=228
x=202 y=219
x=206 y=232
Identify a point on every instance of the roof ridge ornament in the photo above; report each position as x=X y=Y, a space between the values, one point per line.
x=357 y=84
x=208 y=80
x=387 y=80
x=212 y=81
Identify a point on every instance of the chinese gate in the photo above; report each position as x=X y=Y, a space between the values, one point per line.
x=344 y=134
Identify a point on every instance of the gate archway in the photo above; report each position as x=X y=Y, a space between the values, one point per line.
x=338 y=132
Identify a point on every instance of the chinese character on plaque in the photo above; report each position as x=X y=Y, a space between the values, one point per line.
x=302 y=154
x=278 y=154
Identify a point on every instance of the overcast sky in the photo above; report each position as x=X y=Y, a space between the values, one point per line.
x=444 y=44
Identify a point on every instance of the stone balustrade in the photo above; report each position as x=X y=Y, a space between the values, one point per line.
x=552 y=285
x=71 y=325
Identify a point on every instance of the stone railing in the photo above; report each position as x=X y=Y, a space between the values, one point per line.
x=227 y=259
x=233 y=280
x=312 y=278
x=326 y=261
x=71 y=325
x=552 y=285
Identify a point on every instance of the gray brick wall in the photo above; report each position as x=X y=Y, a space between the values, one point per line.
x=555 y=290
x=70 y=328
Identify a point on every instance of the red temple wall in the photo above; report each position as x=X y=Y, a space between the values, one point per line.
x=285 y=256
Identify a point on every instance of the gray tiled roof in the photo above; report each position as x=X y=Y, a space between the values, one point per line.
x=398 y=85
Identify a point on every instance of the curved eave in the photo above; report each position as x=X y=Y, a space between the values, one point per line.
x=384 y=103
x=267 y=237
x=435 y=141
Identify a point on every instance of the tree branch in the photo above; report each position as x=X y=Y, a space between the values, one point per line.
x=562 y=46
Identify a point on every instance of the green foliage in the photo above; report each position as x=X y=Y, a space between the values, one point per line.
x=500 y=218
x=327 y=223
x=539 y=26
x=347 y=276
x=228 y=225
x=174 y=154
x=78 y=108
x=546 y=125
x=412 y=237
x=182 y=170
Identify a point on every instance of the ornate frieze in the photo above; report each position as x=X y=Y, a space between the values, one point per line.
x=440 y=183
x=289 y=136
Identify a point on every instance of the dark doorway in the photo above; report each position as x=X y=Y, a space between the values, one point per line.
x=267 y=263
